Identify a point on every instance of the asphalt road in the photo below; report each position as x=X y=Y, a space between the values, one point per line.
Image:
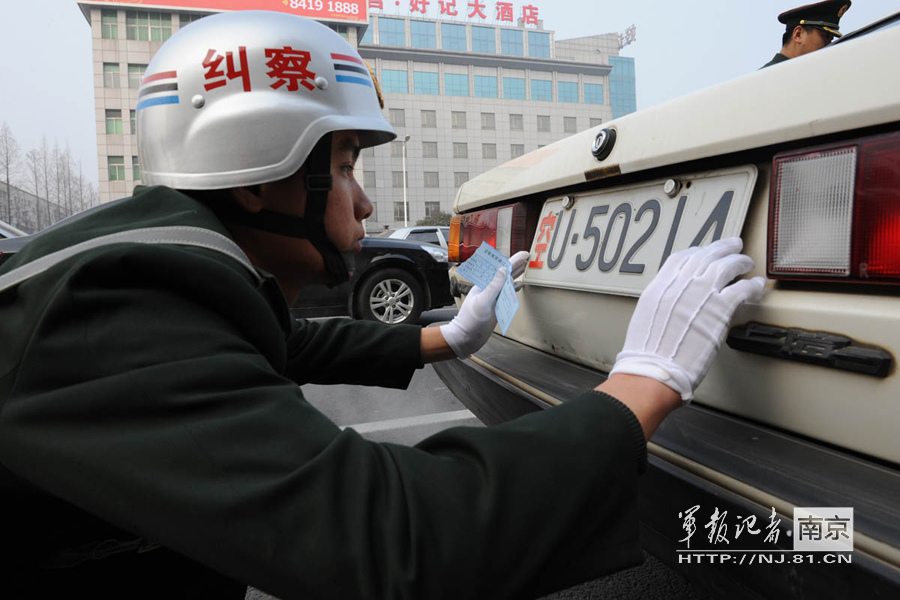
x=426 y=407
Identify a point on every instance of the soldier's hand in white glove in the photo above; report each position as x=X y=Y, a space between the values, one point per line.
x=471 y=328
x=683 y=315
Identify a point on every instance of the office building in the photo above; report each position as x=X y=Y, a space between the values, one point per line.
x=464 y=92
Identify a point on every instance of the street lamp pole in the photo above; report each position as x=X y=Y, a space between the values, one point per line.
x=405 y=205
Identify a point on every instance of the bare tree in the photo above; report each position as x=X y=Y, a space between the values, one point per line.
x=67 y=178
x=45 y=174
x=9 y=162
x=58 y=188
x=33 y=164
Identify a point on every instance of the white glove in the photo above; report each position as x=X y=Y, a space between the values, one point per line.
x=682 y=317
x=471 y=328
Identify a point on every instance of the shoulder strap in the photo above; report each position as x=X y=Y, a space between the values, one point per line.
x=185 y=236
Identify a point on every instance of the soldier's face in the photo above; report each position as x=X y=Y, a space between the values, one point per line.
x=813 y=39
x=348 y=204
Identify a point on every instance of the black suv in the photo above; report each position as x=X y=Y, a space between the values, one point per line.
x=393 y=281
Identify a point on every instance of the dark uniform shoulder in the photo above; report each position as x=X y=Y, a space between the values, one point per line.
x=778 y=58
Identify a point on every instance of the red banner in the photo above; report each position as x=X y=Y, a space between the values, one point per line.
x=323 y=10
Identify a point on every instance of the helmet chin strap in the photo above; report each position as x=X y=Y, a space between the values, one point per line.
x=311 y=226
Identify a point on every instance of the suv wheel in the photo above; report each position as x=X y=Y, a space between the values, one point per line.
x=390 y=296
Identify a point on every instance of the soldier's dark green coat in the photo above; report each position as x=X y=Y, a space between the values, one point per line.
x=148 y=395
x=778 y=58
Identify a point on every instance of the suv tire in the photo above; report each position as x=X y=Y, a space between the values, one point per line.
x=390 y=296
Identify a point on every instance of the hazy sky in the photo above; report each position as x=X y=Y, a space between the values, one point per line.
x=45 y=53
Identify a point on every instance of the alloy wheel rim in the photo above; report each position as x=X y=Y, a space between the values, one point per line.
x=391 y=301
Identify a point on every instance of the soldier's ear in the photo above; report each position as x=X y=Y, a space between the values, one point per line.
x=248 y=198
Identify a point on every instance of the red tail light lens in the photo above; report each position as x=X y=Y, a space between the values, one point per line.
x=835 y=212
x=509 y=229
x=876 y=219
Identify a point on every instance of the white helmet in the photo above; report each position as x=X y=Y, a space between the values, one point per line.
x=242 y=98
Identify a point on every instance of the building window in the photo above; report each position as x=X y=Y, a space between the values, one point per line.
x=368 y=179
x=622 y=95
x=397 y=179
x=425 y=83
x=391 y=32
x=489 y=151
x=114 y=122
x=516 y=150
x=453 y=37
x=341 y=30
x=432 y=209
x=368 y=37
x=109 y=24
x=488 y=121
x=456 y=85
x=429 y=118
x=135 y=168
x=538 y=44
x=596 y=122
x=143 y=26
x=570 y=124
x=516 y=123
x=394 y=81
x=484 y=40
x=513 y=88
x=137 y=25
x=460 y=178
x=136 y=75
x=160 y=26
x=567 y=91
x=396 y=149
x=185 y=19
x=399 y=212
x=458 y=119
x=593 y=93
x=460 y=150
x=542 y=90
x=431 y=179
x=110 y=75
x=543 y=123
x=133 y=122
x=511 y=42
x=485 y=86
x=370 y=151
x=429 y=150
x=116 y=168
x=422 y=34
x=397 y=117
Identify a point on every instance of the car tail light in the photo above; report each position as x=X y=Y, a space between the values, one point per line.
x=835 y=212
x=509 y=229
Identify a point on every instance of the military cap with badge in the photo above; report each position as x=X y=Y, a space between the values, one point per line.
x=821 y=15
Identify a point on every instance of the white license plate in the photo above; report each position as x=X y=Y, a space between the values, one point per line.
x=615 y=241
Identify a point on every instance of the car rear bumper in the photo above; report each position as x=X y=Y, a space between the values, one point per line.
x=702 y=457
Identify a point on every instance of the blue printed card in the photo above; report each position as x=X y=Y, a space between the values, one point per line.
x=480 y=270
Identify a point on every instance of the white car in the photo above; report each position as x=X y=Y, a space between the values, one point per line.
x=437 y=235
x=801 y=407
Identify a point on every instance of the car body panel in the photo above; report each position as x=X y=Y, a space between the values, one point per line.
x=763 y=431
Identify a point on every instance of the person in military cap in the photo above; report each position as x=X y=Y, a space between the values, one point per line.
x=809 y=28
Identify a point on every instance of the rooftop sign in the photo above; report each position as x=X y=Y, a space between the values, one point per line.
x=322 y=10
x=472 y=9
